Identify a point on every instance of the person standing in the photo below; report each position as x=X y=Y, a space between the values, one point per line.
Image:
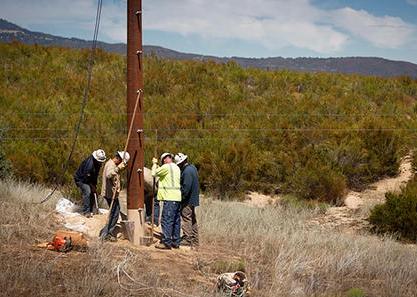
x=110 y=191
x=190 y=192
x=86 y=179
x=169 y=192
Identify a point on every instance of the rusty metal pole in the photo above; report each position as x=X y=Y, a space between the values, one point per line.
x=135 y=147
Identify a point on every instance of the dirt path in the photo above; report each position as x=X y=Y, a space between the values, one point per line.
x=352 y=217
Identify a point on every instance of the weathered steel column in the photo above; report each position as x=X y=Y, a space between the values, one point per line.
x=135 y=187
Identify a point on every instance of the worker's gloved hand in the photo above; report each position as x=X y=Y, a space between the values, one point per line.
x=121 y=166
x=154 y=160
x=153 y=169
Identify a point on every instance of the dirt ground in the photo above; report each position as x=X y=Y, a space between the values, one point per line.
x=185 y=266
x=352 y=217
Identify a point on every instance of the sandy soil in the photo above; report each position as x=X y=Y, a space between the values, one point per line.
x=352 y=217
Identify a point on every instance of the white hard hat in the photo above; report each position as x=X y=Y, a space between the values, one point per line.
x=164 y=155
x=180 y=157
x=99 y=155
x=124 y=156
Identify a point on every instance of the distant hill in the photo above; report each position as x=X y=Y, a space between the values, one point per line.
x=361 y=65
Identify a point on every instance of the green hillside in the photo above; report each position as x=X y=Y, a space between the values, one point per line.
x=308 y=134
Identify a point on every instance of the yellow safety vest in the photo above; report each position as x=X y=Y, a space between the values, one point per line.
x=169 y=188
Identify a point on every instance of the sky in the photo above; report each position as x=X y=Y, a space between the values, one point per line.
x=246 y=28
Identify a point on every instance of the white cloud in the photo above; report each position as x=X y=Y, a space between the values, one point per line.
x=279 y=23
x=412 y=2
x=273 y=24
x=383 y=32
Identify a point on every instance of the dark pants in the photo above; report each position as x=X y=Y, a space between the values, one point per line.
x=189 y=225
x=87 y=195
x=113 y=217
x=156 y=209
x=171 y=223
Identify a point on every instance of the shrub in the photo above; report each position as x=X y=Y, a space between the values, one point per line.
x=5 y=165
x=365 y=157
x=383 y=147
x=398 y=215
x=224 y=172
x=316 y=180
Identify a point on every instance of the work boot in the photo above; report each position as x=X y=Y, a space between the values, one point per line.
x=162 y=246
x=149 y=225
x=185 y=243
x=110 y=238
x=88 y=215
x=174 y=246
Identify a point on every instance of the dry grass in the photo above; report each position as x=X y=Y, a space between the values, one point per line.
x=104 y=270
x=21 y=215
x=281 y=256
x=284 y=256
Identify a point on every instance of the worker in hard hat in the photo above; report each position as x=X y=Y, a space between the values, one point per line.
x=86 y=179
x=190 y=191
x=110 y=190
x=169 y=192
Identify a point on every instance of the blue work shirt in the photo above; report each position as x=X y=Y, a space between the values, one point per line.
x=190 y=188
x=88 y=171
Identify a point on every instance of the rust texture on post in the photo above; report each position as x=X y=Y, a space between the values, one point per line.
x=135 y=147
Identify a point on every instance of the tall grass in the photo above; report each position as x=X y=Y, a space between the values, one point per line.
x=284 y=257
x=22 y=217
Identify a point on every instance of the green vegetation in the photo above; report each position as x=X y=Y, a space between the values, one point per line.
x=398 y=215
x=355 y=292
x=5 y=166
x=244 y=128
x=222 y=266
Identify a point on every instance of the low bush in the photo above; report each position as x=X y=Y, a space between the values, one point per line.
x=398 y=215
x=5 y=166
x=317 y=180
x=366 y=158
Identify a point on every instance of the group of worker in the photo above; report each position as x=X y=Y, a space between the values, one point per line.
x=178 y=190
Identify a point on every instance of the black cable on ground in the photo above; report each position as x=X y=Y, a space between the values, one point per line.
x=84 y=101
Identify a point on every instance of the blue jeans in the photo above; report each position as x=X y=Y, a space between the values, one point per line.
x=114 y=217
x=87 y=195
x=171 y=223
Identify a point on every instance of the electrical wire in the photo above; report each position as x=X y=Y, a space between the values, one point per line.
x=84 y=100
x=208 y=130
x=208 y=138
x=207 y=114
